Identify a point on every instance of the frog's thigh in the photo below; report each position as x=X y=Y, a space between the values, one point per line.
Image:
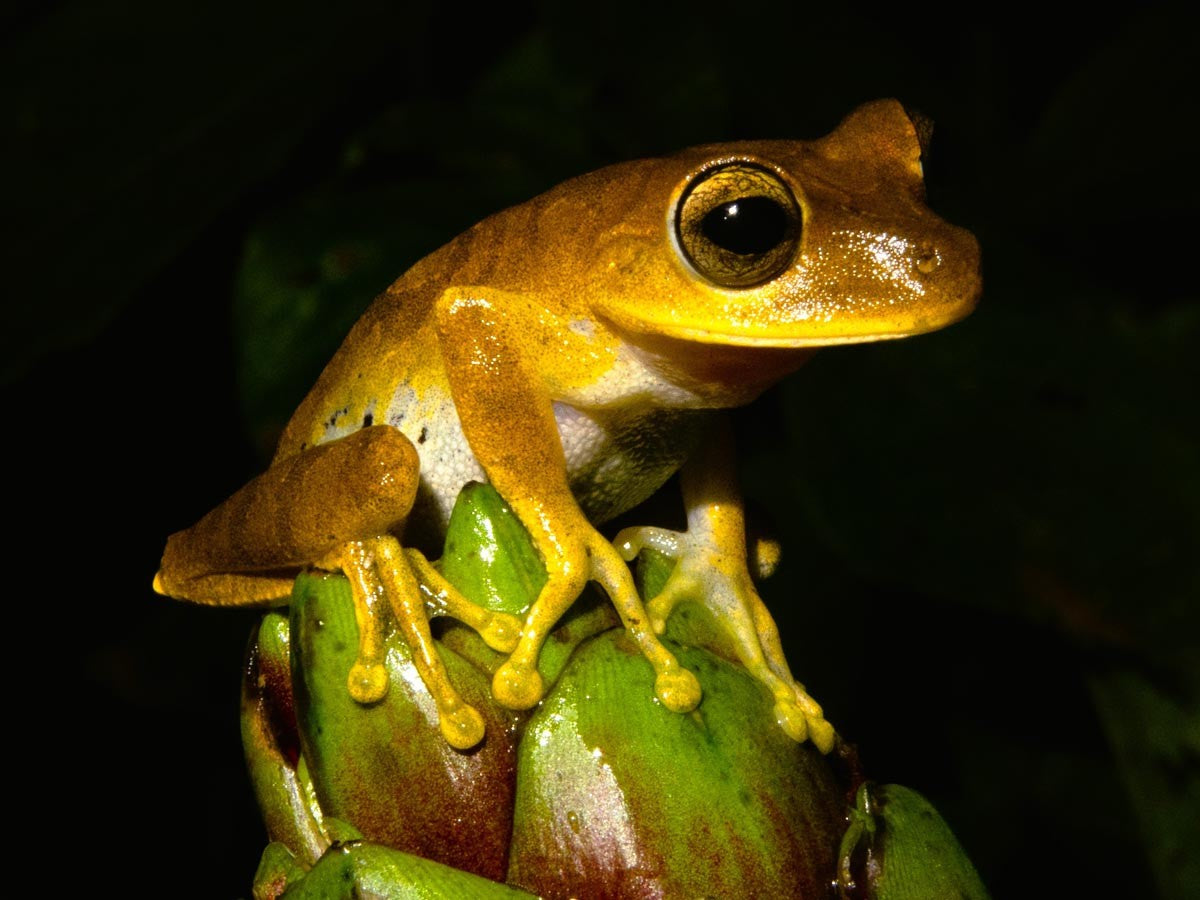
x=245 y=552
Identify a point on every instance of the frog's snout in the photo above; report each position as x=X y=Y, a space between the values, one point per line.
x=953 y=266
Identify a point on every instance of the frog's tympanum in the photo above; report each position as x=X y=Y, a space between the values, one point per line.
x=574 y=351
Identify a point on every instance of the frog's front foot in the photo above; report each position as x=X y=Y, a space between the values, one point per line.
x=718 y=578
x=517 y=683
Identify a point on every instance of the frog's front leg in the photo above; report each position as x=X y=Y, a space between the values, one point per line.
x=498 y=348
x=711 y=568
x=336 y=506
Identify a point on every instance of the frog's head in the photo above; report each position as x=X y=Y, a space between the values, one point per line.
x=792 y=244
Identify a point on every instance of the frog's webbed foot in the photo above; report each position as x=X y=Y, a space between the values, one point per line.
x=383 y=575
x=720 y=581
x=499 y=630
x=517 y=683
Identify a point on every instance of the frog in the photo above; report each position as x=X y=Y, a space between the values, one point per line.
x=576 y=352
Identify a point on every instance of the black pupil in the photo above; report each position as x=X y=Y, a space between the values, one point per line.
x=746 y=225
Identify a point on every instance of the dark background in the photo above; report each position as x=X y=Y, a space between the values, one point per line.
x=990 y=533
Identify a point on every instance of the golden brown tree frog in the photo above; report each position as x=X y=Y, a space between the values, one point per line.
x=573 y=351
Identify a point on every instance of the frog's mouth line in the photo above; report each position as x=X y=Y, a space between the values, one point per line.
x=736 y=339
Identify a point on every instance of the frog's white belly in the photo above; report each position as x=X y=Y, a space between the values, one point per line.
x=447 y=461
x=614 y=460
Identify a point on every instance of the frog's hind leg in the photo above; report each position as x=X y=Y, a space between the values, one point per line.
x=247 y=551
x=368 y=678
x=499 y=630
x=379 y=568
x=711 y=567
x=334 y=506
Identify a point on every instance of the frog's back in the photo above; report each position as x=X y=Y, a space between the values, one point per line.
x=390 y=361
x=390 y=368
x=391 y=346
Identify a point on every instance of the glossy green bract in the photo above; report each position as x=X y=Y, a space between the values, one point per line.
x=488 y=554
x=598 y=792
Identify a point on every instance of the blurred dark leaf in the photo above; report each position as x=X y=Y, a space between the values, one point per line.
x=313 y=266
x=1155 y=732
x=1122 y=123
x=148 y=122
x=1048 y=448
x=995 y=460
x=1111 y=161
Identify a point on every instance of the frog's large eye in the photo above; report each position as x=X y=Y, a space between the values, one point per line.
x=738 y=225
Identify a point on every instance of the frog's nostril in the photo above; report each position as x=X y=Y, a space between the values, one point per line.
x=927 y=259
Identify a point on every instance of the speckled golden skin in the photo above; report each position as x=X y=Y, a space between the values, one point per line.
x=570 y=352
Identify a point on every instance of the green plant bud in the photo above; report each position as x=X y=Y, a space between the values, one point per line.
x=385 y=767
x=359 y=869
x=898 y=848
x=277 y=869
x=598 y=792
x=619 y=797
x=272 y=745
